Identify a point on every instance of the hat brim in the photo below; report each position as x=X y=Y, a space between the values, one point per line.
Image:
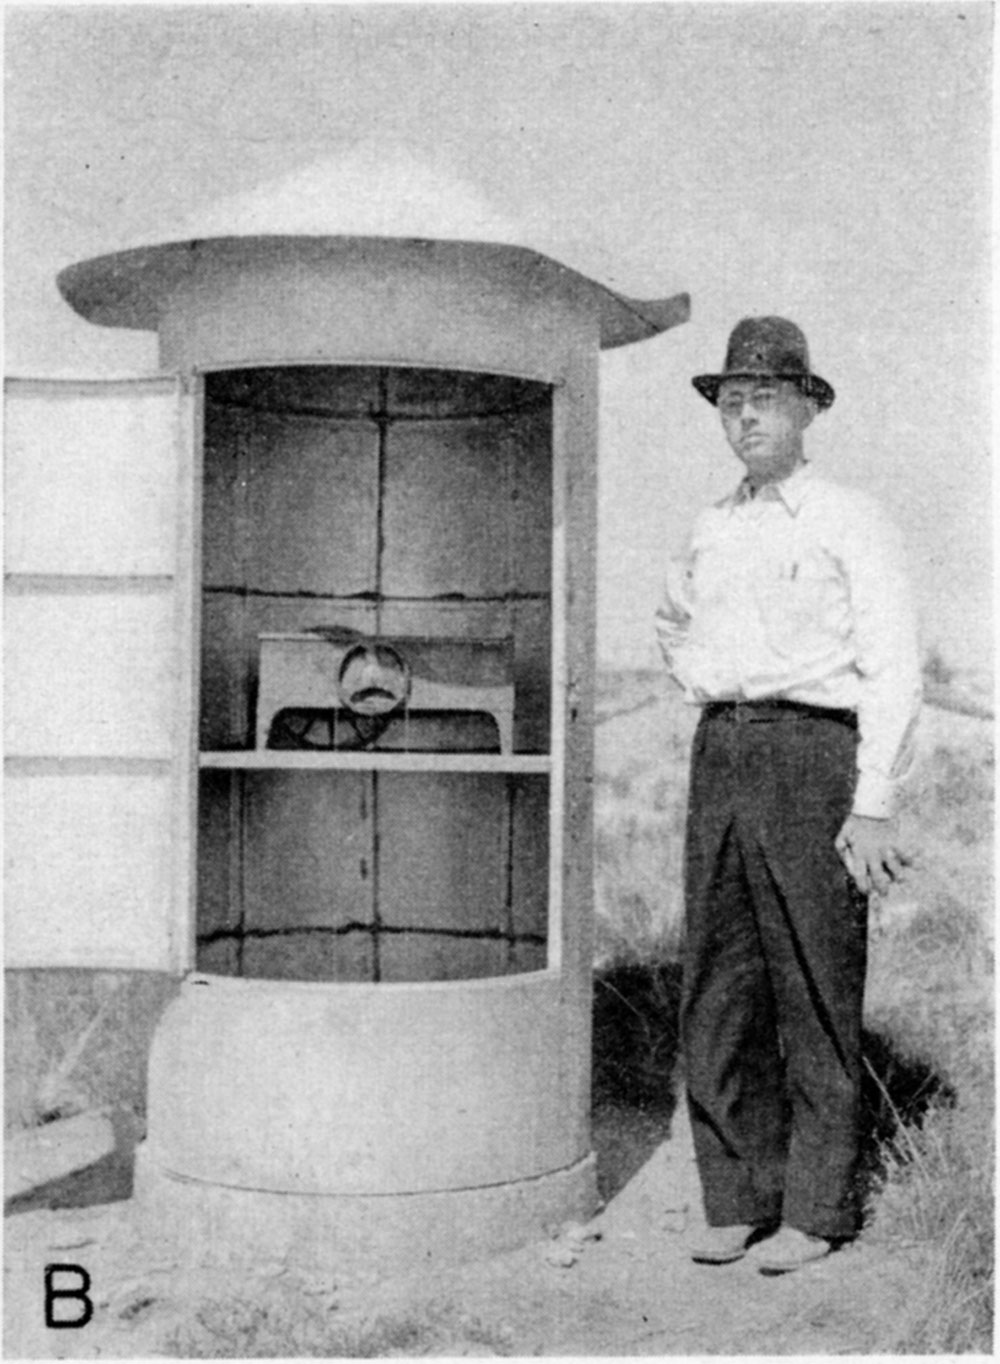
x=810 y=384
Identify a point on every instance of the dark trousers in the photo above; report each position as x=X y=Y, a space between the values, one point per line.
x=774 y=969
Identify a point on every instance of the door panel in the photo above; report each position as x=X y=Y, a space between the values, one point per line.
x=90 y=673
x=91 y=477
x=99 y=692
x=88 y=873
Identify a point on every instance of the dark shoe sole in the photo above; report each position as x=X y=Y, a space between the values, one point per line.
x=718 y=1258
x=775 y=1271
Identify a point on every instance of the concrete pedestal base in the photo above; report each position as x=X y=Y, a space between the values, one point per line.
x=356 y=1236
x=353 y=1124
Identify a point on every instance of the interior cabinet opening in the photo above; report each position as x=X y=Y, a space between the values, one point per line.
x=375 y=714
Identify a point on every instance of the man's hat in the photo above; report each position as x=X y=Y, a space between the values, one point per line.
x=767 y=348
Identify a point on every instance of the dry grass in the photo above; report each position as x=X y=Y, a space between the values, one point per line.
x=78 y=1039
x=937 y=1195
x=640 y=799
x=930 y=992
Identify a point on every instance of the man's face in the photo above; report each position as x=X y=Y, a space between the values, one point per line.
x=764 y=420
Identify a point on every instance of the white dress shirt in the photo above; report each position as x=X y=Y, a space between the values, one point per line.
x=801 y=592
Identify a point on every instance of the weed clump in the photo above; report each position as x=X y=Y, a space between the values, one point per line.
x=931 y=992
x=937 y=1196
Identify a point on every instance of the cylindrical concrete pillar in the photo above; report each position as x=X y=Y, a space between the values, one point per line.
x=388 y=1035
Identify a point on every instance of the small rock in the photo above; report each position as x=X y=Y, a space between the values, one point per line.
x=136 y=1307
x=561 y=1256
x=313 y=1282
x=576 y=1233
x=675 y=1219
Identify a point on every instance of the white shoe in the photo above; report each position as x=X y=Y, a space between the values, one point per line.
x=720 y=1245
x=790 y=1249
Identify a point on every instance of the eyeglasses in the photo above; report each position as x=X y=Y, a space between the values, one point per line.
x=763 y=399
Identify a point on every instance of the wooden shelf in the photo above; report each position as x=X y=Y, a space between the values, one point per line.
x=295 y=760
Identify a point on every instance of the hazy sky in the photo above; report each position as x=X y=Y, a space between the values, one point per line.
x=825 y=161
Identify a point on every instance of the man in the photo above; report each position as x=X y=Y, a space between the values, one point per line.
x=790 y=624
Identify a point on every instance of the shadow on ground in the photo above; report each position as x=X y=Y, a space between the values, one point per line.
x=637 y=1078
x=636 y=1084
x=635 y=1073
x=896 y=1092
x=108 y=1180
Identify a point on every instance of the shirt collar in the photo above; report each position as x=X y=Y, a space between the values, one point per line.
x=791 y=492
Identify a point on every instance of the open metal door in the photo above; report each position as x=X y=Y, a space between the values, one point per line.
x=99 y=686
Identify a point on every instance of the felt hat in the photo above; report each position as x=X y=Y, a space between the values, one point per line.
x=767 y=348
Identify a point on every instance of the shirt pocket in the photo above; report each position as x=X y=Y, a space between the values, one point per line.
x=801 y=600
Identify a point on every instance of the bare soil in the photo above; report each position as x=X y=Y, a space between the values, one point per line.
x=630 y=1289
x=626 y=1288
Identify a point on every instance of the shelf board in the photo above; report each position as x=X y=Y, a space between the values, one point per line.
x=272 y=759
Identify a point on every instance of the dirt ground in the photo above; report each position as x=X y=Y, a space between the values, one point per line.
x=630 y=1291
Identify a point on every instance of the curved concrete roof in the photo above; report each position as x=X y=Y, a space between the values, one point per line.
x=366 y=193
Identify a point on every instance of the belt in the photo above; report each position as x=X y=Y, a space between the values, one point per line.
x=774 y=708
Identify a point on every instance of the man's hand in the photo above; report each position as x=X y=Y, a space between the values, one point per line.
x=869 y=851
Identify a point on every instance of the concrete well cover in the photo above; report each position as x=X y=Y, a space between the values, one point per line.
x=365 y=193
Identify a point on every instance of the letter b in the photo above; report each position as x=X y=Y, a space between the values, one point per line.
x=79 y=1293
